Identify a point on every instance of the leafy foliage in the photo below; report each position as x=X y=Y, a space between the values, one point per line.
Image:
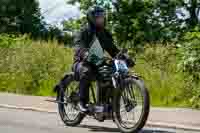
x=131 y=24
x=191 y=53
x=190 y=62
x=20 y=16
x=74 y=25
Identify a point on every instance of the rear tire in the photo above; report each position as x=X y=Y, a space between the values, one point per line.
x=61 y=96
x=145 y=112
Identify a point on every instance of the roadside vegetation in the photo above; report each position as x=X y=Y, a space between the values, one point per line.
x=34 y=67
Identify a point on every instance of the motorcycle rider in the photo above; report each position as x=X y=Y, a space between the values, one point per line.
x=82 y=41
x=84 y=71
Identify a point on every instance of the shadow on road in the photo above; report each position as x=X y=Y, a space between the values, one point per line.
x=108 y=129
x=99 y=128
x=154 y=131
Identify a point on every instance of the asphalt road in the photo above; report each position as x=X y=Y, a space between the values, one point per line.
x=19 y=121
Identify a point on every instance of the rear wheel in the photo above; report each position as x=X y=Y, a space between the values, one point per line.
x=68 y=103
x=131 y=106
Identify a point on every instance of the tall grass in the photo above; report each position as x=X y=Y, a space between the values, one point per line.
x=168 y=85
x=34 y=67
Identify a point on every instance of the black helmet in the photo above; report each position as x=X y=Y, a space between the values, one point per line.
x=94 y=12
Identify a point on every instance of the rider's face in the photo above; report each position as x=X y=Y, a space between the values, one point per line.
x=100 y=21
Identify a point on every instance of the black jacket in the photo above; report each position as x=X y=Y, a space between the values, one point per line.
x=82 y=42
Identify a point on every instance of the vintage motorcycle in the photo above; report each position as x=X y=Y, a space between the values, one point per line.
x=116 y=94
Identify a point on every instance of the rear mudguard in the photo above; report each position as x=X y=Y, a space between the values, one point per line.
x=64 y=82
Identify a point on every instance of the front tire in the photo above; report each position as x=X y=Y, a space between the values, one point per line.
x=62 y=95
x=139 y=124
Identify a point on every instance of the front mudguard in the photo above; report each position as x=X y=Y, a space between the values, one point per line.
x=123 y=82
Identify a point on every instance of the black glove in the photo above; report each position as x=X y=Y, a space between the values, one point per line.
x=130 y=62
x=124 y=56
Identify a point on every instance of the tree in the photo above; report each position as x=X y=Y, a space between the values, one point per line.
x=139 y=21
x=73 y=24
x=190 y=6
x=193 y=6
x=30 y=18
x=8 y=13
x=131 y=22
x=130 y=18
x=21 y=16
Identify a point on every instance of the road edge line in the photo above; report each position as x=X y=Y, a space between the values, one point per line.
x=26 y=108
x=171 y=125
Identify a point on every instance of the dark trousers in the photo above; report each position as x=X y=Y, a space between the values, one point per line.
x=84 y=73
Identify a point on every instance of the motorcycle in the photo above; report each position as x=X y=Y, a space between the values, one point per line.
x=116 y=94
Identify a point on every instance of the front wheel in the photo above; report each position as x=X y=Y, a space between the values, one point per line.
x=131 y=106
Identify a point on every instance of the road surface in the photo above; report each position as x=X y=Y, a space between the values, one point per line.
x=20 y=121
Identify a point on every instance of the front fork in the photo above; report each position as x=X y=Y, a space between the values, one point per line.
x=123 y=86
